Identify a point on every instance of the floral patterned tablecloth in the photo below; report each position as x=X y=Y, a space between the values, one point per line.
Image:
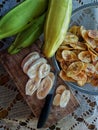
x=14 y=110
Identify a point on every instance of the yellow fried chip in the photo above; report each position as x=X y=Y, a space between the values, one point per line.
x=71 y=38
x=78 y=45
x=80 y=77
x=81 y=82
x=85 y=56
x=75 y=30
x=90 y=69
x=63 y=76
x=63 y=66
x=65 y=47
x=90 y=41
x=96 y=68
x=74 y=68
x=93 y=55
x=69 y=55
x=58 y=55
x=93 y=34
x=95 y=80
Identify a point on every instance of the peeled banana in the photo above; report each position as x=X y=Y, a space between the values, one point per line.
x=56 y=25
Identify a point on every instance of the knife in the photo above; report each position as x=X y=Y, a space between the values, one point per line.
x=47 y=106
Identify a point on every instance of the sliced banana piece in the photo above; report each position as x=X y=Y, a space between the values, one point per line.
x=44 y=70
x=93 y=34
x=71 y=38
x=45 y=87
x=96 y=68
x=51 y=76
x=56 y=101
x=30 y=58
x=85 y=56
x=90 y=69
x=68 y=55
x=32 y=85
x=90 y=41
x=65 y=97
x=34 y=67
x=75 y=68
x=60 y=89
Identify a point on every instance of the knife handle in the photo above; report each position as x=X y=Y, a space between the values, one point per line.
x=45 y=111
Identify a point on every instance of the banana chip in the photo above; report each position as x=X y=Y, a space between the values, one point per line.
x=95 y=80
x=63 y=65
x=69 y=55
x=96 y=68
x=63 y=76
x=78 y=45
x=75 y=30
x=44 y=70
x=90 y=69
x=60 y=89
x=93 y=34
x=85 y=56
x=44 y=88
x=80 y=77
x=32 y=85
x=59 y=55
x=93 y=55
x=65 y=97
x=71 y=38
x=74 y=68
x=56 y=101
x=34 y=67
x=90 y=41
x=30 y=58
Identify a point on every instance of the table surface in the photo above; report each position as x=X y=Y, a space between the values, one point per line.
x=15 y=110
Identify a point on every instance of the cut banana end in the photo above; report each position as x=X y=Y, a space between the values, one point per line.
x=32 y=85
x=56 y=101
x=34 y=67
x=65 y=97
x=30 y=58
x=44 y=70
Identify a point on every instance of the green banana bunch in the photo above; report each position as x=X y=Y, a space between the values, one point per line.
x=21 y=17
x=28 y=36
x=56 y=25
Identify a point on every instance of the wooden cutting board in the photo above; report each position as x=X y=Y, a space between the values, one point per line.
x=12 y=64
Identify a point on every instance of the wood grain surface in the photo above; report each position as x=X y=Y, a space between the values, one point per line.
x=12 y=64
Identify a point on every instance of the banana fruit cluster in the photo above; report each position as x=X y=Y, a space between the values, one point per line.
x=62 y=96
x=41 y=78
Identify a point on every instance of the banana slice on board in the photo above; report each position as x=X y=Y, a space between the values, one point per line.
x=56 y=100
x=45 y=86
x=60 y=89
x=32 y=85
x=30 y=58
x=65 y=97
x=44 y=70
x=34 y=67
